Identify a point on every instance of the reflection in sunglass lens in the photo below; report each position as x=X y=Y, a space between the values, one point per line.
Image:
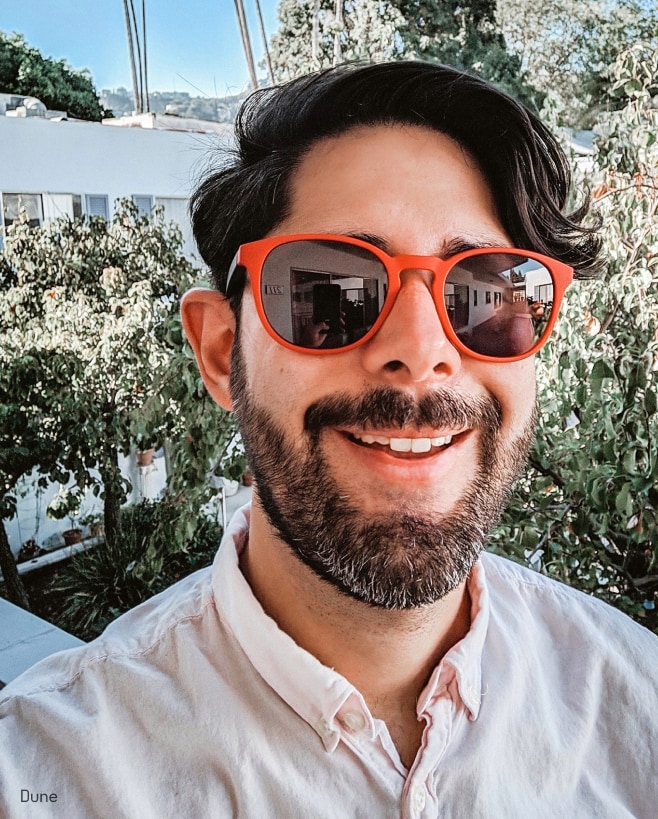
x=499 y=303
x=322 y=294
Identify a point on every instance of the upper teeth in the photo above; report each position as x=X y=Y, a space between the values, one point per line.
x=405 y=444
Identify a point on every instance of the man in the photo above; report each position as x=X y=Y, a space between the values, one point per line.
x=375 y=243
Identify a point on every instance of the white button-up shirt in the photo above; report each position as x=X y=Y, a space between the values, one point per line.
x=195 y=704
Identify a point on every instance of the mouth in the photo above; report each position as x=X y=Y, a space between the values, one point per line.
x=402 y=446
x=409 y=461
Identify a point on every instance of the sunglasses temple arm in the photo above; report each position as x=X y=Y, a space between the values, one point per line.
x=233 y=277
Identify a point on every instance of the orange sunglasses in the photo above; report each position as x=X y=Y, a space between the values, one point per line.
x=321 y=294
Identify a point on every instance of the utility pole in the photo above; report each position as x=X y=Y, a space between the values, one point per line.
x=138 y=67
x=268 y=62
x=131 y=57
x=147 y=104
x=246 y=43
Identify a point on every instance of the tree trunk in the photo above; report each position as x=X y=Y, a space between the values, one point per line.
x=338 y=54
x=315 y=32
x=114 y=496
x=13 y=583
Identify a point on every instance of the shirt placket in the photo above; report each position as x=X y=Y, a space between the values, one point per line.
x=419 y=798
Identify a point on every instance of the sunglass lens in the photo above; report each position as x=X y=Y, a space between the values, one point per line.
x=322 y=294
x=499 y=303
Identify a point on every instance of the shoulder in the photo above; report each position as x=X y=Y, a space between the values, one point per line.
x=573 y=681
x=144 y=633
x=539 y=607
x=105 y=702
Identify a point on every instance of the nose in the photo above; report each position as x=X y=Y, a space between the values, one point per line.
x=411 y=344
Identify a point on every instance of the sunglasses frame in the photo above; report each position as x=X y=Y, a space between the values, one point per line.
x=251 y=258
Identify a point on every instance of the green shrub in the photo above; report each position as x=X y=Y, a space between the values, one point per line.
x=104 y=582
x=588 y=505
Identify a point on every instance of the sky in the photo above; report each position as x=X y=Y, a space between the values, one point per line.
x=192 y=45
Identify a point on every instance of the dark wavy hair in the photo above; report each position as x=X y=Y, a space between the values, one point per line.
x=523 y=163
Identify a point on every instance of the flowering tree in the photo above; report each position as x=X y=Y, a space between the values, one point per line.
x=83 y=307
x=316 y=34
x=565 y=47
x=93 y=361
x=36 y=405
x=589 y=502
x=202 y=439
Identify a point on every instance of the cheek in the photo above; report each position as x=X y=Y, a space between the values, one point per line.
x=279 y=380
x=267 y=378
x=515 y=386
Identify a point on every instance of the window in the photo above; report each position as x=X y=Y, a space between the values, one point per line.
x=14 y=203
x=544 y=292
x=56 y=205
x=175 y=209
x=144 y=205
x=97 y=205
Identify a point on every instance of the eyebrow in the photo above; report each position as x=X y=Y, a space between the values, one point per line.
x=452 y=247
x=459 y=244
x=371 y=239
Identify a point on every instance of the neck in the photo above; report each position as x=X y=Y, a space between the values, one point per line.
x=387 y=655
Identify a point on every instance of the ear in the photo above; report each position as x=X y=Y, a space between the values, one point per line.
x=209 y=325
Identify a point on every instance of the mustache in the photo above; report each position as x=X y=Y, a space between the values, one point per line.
x=387 y=407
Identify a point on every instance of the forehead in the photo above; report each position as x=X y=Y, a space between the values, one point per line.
x=413 y=186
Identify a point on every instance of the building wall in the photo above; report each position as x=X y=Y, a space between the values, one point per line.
x=63 y=157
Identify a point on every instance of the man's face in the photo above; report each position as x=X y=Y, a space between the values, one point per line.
x=384 y=468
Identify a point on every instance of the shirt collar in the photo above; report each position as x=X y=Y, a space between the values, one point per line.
x=463 y=662
x=328 y=702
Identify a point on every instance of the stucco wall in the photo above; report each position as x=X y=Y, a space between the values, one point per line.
x=47 y=156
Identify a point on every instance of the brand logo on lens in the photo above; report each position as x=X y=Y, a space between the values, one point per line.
x=274 y=290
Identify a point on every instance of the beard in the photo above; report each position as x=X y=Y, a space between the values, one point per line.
x=399 y=560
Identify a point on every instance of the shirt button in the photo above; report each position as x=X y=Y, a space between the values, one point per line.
x=418 y=799
x=323 y=728
x=354 y=721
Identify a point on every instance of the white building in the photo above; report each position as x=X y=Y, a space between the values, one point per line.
x=59 y=167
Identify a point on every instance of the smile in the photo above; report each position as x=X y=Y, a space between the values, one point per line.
x=401 y=444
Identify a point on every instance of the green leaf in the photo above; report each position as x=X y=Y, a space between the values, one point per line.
x=624 y=501
x=602 y=369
